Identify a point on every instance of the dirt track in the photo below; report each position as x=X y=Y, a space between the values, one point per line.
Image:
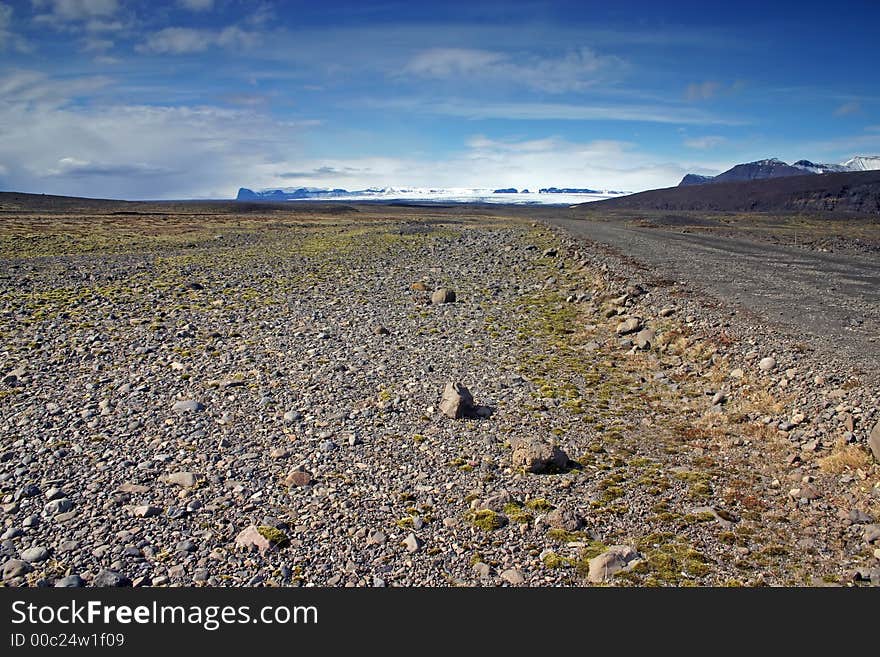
x=828 y=300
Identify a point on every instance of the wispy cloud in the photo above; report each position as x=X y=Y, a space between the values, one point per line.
x=75 y=168
x=704 y=143
x=709 y=89
x=74 y=10
x=185 y=40
x=196 y=5
x=321 y=172
x=575 y=70
x=557 y=111
x=848 y=109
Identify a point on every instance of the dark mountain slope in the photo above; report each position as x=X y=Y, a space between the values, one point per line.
x=833 y=192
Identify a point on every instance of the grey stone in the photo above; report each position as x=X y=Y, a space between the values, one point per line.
x=69 y=582
x=111 y=578
x=188 y=406
x=16 y=568
x=457 y=401
x=35 y=554
x=54 y=494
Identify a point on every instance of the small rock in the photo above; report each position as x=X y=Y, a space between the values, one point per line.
x=443 y=295
x=667 y=312
x=457 y=401
x=482 y=569
x=35 y=554
x=251 y=538
x=628 y=326
x=107 y=578
x=496 y=501
x=645 y=338
x=59 y=506
x=736 y=373
x=380 y=330
x=16 y=568
x=513 y=576
x=874 y=442
x=719 y=398
x=767 y=364
x=376 y=538
x=537 y=456
x=54 y=494
x=188 y=406
x=69 y=582
x=412 y=543
x=146 y=511
x=182 y=479
x=298 y=477
x=615 y=559
x=292 y=416
x=565 y=518
x=872 y=534
x=279 y=453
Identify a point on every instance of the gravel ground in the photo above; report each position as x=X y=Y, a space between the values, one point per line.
x=261 y=406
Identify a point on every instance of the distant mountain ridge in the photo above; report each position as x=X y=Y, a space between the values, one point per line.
x=847 y=192
x=385 y=193
x=775 y=168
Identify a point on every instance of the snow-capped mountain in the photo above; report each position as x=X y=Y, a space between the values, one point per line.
x=775 y=168
x=812 y=167
x=863 y=163
x=546 y=195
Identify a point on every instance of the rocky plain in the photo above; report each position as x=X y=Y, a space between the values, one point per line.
x=409 y=398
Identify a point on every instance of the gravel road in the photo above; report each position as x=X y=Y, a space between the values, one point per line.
x=829 y=300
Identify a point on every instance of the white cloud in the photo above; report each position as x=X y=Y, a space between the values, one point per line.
x=704 y=143
x=490 y=163
x=76 y=10
x=575 y=71
x=467 y=109
x=132 y=151
x=185 y=40
x=196 y=5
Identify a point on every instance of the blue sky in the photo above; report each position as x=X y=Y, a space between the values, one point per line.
x=194 y=98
